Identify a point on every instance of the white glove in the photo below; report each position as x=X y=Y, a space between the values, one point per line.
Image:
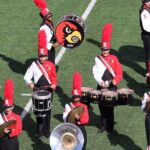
x=102 y=83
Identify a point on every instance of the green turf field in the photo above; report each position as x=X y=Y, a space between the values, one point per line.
x=19 y=24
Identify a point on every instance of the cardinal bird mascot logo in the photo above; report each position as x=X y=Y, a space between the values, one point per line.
x=70 y=33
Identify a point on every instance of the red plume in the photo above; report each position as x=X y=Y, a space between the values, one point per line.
x=42 y=39
x=107 y=33
x=41 y=4
x=77 y=83
x=8 y=93
x=77 y=80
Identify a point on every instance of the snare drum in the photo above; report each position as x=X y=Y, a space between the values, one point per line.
x=70 y=31
x=41 y=101
x=109 y=98
x=85 y=94
x=125 y=96
x=95 y=96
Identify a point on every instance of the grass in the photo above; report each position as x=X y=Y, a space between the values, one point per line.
x=19 y=23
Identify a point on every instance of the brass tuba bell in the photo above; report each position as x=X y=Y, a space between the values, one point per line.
x=66 y=136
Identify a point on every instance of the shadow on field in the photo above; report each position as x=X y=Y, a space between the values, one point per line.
x=129 y=55
x=94 y=42
x=94 y=119
x=16 y=66
x=63 y=97
x=124 y=141
x=59 y=117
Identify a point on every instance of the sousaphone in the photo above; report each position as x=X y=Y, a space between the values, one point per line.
x=66 y=136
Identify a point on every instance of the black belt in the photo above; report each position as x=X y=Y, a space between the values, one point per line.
x=7 y=137
x=42 y=88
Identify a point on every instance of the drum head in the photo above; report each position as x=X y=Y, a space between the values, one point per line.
x=86 y=89
x=7 y=124
x=96 y=92
x=109 y=94
x=41 y=94
x=71 y=116
x=125 y=91
x=70 y=32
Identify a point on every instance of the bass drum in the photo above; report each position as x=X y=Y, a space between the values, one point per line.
x=70 y=31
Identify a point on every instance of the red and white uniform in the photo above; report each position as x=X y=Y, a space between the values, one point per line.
x=145 y=35
x=84 y=118
x=17 y=129
x=34 y=72
x=99 y=68
x=10 y=141
x=145 y=19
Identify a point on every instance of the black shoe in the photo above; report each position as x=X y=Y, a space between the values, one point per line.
x=47 y=135
x=102 y=129
x=38 y=135
x=112 y=131
x=57 y=68
x=148 y=81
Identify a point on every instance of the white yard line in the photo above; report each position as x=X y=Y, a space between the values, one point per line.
x=26 y=109
x=60 y=55
x=88 y=9
x=26 y=94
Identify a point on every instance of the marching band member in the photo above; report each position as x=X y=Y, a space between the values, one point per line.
x=43 y=73
x=9 y=140
x=145 y=34
x=83 y=118
x=146 y=108
x=46 y=36
x=107 y=72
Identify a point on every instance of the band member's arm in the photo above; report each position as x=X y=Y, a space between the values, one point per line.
x=53 y=77
x=55 y=45
x=145 y=18
x=31 y=85
x=98 y=72
x=29 y=75
x=144 y=101
x=84 y=118
x=6 y=130
x=66 y=112
x=18 y=128
x=118 y=72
